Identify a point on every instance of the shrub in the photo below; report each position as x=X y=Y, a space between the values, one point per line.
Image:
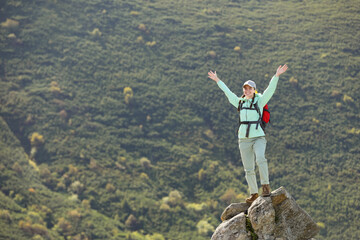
x=37 y=237
x=142 y=27
x=96 y=32
x=175 y=198
x=5 y=214
x=40 y=214
x=201 y=174
x=74 y=198
x=212 y=54
x=25 y=227
x=29 y=119
x=121 y=159
x=151 y=44
x=209 y=11
x=60 y=186
x=34 y=165
x=17 y=168
x=33 y=152
x=237 y=49
x=209 y=133
x=45 y=172
x=110 y=187
x=74 y=215
x=18 y=198
x=241 y=197
x=196 y=206
x=204 y=227
x=36 y=139
x=164 y=207
x=54 y=87
x=132 y=223
x=63 y=227
x=86 y=204
x=316 y=121
x=33 y=229
x=347 y=98
x=119 y=166
x=76 y=187
x=144 y=176
x=80 y=236
x=354 y=131
x=73 y=171
x=63 y=115
x=145 y=163
x=212 y=204
x=155 y=236
x=321 y=224
x=135 y=236
x=335 y=93
x=139 y=39
x=293 y=81
x=34 y=217
x=39 y=229
x=134 y=13
x=11 y=36
x=128 y=92
x=228 y=196
x=9 y=23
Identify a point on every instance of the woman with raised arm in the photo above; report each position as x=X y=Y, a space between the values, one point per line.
x=251 y=137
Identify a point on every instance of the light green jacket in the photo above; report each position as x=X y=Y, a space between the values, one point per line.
x=250 y=115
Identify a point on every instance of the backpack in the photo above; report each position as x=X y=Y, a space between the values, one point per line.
x=262 y=121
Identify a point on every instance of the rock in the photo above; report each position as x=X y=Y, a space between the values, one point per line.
x=262 y=217
x=279 y=195
x=233 y=210
x=233 y=229
x=278 y=217
x=292 y=222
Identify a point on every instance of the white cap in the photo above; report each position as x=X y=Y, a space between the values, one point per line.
x=250 y=83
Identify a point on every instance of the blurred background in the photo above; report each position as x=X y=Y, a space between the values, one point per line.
x=111 y=129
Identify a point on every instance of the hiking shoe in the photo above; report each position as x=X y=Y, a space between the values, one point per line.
x=252 y=198
x=266 y=190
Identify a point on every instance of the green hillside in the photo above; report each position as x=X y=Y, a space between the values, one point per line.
x=110 y=128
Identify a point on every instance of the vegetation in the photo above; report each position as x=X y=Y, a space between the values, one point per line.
x=110 y=128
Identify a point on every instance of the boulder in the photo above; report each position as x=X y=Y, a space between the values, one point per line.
x=232 y=229
x=262 y=218
x=277 y=217
x=292 y=222
x=233 y=210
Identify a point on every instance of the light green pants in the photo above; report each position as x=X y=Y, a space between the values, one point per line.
x=252 y=149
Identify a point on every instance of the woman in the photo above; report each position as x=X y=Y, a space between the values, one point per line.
x=252 y=142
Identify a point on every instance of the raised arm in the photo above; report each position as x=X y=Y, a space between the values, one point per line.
x=233 y=99
x=270 y=90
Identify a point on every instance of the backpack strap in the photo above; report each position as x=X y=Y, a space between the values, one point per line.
x=260 y=116
x=239 y=108
x=256 y=107
x=252 y=102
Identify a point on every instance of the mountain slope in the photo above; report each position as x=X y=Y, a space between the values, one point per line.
x=131 y=124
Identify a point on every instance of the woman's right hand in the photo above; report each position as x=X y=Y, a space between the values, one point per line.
x=213 y=76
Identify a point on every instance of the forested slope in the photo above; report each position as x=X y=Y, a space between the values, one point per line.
x=110 y=102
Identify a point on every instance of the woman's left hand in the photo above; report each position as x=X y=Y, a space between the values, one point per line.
x=281 y=70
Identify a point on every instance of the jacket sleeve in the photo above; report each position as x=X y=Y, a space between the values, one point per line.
x=269 y=92
x=233 y=99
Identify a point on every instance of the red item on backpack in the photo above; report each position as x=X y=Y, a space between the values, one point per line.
x=266 y=114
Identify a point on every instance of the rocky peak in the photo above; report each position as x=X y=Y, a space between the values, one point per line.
x=277 y=217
